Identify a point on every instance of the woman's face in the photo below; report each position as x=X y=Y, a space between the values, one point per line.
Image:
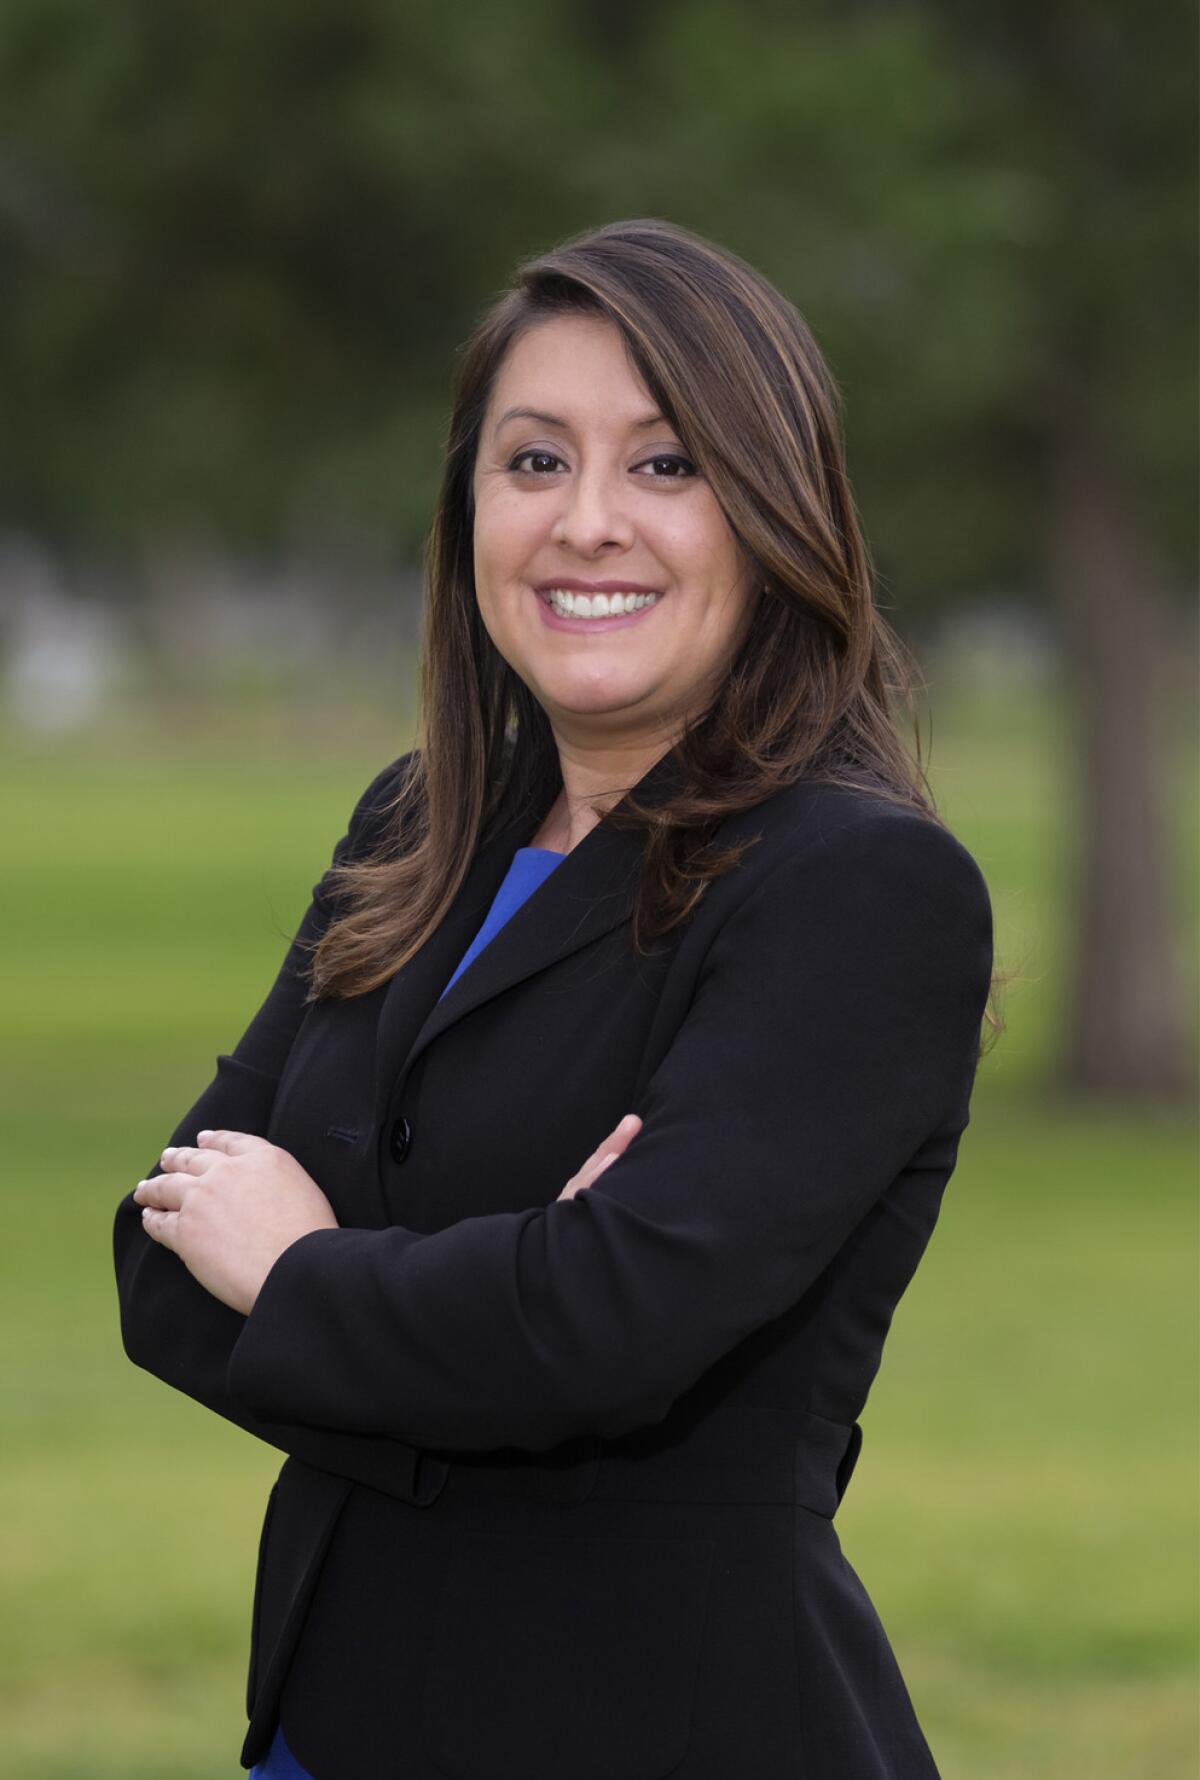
x=581 y=487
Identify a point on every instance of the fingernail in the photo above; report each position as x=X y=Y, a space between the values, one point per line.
x=201 y=1135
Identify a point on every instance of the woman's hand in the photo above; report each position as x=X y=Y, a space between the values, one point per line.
x=228 y=1208
x=606 y=1151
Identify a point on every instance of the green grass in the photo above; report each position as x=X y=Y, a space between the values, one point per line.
x=1023 y=1510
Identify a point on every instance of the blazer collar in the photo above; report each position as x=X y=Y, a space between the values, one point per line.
x=592 y=891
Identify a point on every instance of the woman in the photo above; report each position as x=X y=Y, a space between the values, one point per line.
x=551 y=1213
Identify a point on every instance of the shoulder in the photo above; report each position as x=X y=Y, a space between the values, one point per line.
x=855 y=904
x=862 y=856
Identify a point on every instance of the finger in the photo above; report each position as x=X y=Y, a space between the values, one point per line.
x=230 y=1143
x=618 y=1140
x=599 y=1159
x=596 y=1164
x=161 y=1226
x=588 y=1177
x=605 y=1152
x=164 y=1192
x=183 y=1158
x=627 y=1128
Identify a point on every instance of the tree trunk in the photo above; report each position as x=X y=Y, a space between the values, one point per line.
x=1126 y=1032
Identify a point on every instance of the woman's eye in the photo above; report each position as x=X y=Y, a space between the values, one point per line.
x=667 y=467
x=670 y=468
x=541 y=460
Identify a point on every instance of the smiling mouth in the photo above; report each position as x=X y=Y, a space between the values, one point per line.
x=596 y=605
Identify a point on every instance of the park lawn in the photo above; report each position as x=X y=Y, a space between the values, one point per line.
x=1022 y=1512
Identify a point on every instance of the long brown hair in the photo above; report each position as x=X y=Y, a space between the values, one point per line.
x=813 y=691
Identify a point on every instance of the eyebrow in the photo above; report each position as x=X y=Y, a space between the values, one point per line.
x=563 y=426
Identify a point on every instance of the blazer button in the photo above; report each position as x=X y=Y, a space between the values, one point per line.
x=401 y=1139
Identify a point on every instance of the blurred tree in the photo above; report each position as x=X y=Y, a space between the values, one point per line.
x=1103 y=100
x=988 y=213
x=239 y=247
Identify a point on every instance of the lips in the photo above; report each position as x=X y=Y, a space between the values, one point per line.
x=553 y=614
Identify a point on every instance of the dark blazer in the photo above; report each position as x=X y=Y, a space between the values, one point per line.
x=562 y=1477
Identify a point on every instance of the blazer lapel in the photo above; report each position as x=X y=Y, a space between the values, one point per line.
x=588 y=894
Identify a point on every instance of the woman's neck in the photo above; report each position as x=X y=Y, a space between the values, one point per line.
x=592 y=783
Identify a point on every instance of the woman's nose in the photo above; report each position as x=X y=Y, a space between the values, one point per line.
x=592 y=513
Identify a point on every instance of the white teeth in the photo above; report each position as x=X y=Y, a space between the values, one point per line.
x=598 y=605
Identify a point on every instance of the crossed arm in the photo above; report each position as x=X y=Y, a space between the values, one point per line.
x=230 y=1205
x=172 y=1323
x=865 y=956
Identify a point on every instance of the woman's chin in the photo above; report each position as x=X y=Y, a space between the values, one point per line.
x=595 y=703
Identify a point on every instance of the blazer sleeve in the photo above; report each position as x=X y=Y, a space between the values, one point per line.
x=835 y=1027
x=170 y=1324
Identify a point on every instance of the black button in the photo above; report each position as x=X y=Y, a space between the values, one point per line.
x=401 y=1139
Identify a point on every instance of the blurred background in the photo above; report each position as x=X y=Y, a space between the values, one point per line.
x=239 y=248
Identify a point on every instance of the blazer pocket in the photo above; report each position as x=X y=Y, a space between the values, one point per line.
x=556 y=1654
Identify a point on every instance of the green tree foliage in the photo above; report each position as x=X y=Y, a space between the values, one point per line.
x=240 y=245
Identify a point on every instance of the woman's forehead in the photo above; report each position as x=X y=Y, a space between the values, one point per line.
x=567 y=370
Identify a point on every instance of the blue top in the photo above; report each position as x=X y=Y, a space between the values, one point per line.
x=530 y=867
